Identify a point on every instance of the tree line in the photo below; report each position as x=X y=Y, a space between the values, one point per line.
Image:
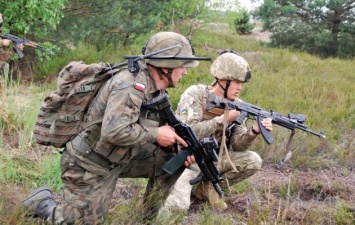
x=323 y=27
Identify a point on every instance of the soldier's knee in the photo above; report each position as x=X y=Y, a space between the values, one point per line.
x=256 y=160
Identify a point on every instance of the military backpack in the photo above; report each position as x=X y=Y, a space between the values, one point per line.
x=62 y=111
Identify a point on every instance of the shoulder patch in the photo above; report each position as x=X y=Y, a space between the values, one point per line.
x=139 y=87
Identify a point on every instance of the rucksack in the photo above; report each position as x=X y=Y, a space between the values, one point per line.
x=61 y=114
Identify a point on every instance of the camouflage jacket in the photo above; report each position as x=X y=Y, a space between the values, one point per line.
x=126 y=126
x=191 y=110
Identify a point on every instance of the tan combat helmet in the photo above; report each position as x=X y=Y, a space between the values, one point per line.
x=164 y=40
x=230 y=66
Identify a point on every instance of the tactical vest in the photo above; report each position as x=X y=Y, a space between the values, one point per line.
x=207 y=115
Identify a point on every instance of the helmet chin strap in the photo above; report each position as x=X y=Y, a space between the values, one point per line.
x=225 y=89
x=161 y=73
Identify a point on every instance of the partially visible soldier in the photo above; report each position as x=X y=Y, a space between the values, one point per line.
x=130 y=142
x=230 y=71
x=5 y=51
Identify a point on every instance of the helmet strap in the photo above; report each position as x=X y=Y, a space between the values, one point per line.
x=225 y=89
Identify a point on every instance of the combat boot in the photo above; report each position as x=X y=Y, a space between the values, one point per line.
x=205 y=191
x=40 y=202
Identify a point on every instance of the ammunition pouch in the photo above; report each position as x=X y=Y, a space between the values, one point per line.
x=84 y=144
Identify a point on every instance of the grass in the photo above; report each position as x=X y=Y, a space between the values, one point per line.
x=282 y=80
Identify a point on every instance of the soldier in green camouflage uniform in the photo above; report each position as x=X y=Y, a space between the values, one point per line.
x=5 y=52
x=230 y=72
x=131 y=142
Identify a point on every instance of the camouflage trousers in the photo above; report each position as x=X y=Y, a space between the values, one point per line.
x=89 y=186
x=247 y=163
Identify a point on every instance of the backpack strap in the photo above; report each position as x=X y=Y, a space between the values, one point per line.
x=88 y=124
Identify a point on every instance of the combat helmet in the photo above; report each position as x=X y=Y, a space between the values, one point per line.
x=230 y=66
x=164 y=40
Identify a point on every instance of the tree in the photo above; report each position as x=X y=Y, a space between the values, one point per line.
x=32 y=17
x=107 y=21
x=322 y=27
x=33 y=20
x=242 y=23
x=120 y=22
x=180 y=11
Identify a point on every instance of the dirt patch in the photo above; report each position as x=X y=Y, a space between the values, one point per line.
x=260 y=35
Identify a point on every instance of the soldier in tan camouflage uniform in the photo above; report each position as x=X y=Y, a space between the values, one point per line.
x=131 y=142
x=230 y=72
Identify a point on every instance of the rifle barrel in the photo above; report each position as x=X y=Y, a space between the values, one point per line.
x=171 y=58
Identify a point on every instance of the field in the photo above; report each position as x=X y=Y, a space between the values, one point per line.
x=316 y=186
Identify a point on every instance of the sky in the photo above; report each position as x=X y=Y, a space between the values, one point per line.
x=249 y=5
x=229 y=4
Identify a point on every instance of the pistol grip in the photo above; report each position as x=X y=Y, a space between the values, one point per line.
x=264 y=132
x=241 y=117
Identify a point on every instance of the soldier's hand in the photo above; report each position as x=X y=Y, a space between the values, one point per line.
x=232 y=115
x=6 y=42
x=20 y=46
x=266 y=122
x=167 y=136
x=190 y=160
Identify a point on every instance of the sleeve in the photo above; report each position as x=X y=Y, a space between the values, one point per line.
x=5 y=52
x=241 y=138
x=120 y=124
x=190 y=111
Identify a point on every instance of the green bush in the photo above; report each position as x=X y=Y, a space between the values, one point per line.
x=242 y=23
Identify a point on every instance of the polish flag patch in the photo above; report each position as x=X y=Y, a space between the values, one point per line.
x=139 y=87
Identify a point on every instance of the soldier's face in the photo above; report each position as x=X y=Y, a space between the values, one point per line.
x=234 y=89
x=176 y=75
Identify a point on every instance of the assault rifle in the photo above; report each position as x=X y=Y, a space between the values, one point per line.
x=291 y=121
x=18 y=41
x=204 y=151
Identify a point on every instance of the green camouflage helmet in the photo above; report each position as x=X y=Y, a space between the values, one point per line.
x=163 y=40
x=230 y=66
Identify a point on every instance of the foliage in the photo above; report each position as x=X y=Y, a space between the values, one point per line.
x=107 y=21
x=120 y=22
x=323 y=27
x=173 y=11
x=242 y=24
x=31 y=16
x=32 y=19
x=223 y=5
x=231 y=13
